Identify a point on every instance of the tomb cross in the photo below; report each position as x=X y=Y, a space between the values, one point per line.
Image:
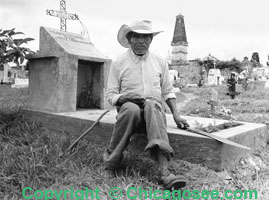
x=63 y=15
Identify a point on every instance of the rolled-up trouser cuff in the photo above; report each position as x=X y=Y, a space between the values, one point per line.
x=163 y=146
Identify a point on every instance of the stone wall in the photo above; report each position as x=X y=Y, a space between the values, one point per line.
x=189 y=73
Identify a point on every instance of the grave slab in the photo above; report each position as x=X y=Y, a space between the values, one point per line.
x=187 y=146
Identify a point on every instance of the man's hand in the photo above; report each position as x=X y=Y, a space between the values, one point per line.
x=181 y=123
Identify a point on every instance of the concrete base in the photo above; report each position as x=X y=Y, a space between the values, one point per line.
x=187 y=146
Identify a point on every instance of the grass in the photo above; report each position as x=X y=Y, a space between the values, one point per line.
x=250 y=105
x=29 y=154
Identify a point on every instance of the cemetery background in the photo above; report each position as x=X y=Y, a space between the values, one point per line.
x=30 y=154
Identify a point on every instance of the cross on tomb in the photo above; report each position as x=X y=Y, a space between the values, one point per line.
x=63 y=15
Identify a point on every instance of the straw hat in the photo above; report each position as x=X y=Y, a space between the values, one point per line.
x=143 y=27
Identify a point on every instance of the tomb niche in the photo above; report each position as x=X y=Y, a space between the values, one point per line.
x=67 y=73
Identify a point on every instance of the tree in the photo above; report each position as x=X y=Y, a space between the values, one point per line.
x=11 y=49
x=255 y=57
x=208 y=64
x=233 y=65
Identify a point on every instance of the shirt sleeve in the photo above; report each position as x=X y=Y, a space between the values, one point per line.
x=113 y=85
x=166 y=85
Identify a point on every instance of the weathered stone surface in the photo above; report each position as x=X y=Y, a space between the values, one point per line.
x=60 y=43
x=187 y=146
x=64 y=63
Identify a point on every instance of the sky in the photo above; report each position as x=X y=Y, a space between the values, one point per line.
x=226 y=29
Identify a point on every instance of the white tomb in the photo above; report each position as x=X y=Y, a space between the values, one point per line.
x=214 y=77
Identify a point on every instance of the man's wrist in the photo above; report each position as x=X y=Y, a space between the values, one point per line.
x=115 y=99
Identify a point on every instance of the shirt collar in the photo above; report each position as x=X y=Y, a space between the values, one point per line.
x=137 y=58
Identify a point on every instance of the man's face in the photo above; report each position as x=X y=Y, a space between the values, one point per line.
x=140 y=43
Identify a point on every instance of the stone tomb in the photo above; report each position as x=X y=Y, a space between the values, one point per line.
x=65 y=63
x=187 y=146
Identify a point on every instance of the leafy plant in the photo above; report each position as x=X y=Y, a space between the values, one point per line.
x=198 y=125
x=12 y=49
x=210 y=128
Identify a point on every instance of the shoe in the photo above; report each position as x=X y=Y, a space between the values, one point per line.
x=112 y=162
x=172 y=181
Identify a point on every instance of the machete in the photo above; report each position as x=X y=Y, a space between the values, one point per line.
x=220 y=139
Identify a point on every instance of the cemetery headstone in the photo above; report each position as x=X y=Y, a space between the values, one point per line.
x=59 y=71
x=214 y=77
x=231 y=83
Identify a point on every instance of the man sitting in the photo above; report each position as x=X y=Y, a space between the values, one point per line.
x=138 y=81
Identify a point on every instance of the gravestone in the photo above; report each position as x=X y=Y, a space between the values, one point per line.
x=66 y=63
x=231 y=83
x=214 y=77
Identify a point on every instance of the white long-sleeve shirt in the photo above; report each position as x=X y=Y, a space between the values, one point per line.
x=146 y=76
